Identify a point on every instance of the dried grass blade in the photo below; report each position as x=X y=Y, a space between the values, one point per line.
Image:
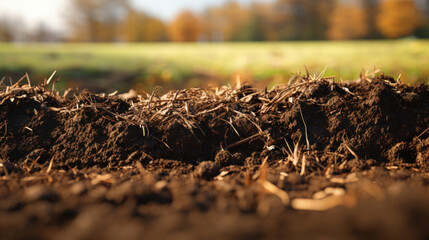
x=51 y=77
x=271 y=188
x=304 y=162
x=322 y=204
x=51 y=163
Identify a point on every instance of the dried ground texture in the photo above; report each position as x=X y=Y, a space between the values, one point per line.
x=312 y=159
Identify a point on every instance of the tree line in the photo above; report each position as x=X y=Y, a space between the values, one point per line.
x=120 y=21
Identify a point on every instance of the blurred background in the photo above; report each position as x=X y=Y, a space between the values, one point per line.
x=108 y=45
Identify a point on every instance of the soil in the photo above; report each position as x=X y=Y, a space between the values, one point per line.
x=312 y=159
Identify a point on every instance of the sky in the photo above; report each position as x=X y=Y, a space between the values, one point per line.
x=51 y=12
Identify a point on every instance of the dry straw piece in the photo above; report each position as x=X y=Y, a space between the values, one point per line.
x=323 y=204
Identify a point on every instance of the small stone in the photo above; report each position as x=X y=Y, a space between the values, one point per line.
x=39 y=193
x=161 y=185
x=132 y=157
x=78 y=189
x=120 y=193
x=207 y=170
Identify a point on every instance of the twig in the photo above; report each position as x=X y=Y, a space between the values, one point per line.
x=263 y=170
x=246 y=140
x=421 y=134
x=336 y=154
x=283 y=95
x=28 y=79
x=119 y=116
x=287 y=144
x=322 y=73
x=151 y=96
x=210 y=110
x=303 y=166
x=229 y=123
x=16 y=84
x=307 y=74
x=268 y=186
x=140 y=167
x=247 y=179
x=232 y=125
x=351 y=151
x=174 y=98
x=322 y=204
x=51 y=77
x=33 y=163
x=6 y=172
x=50 y=165
x=306 y=134
x=250 y=120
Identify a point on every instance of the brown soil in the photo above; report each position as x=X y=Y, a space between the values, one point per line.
x=314 y=159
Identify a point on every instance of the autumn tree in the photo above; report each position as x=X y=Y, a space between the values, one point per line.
x=212 y=24
x=6 y=30
x=398 y=18
x=370 y=7
x=236 y=18
x=186 y=27
x=255 y=28
x=96 y=20
x=348 y=21
x=226 y=23
x=299 y=19
x=423 y=31
x=43 y=33
x=139 y=26
x=12 y=29
x=283 y=20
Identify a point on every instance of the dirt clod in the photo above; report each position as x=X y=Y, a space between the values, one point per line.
x=207 y=170
x=39 y=193
x=224 y=158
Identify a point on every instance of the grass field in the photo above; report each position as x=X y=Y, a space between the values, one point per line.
x=122 y=66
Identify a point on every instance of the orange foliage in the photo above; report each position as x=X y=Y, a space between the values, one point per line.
x=224 y=23
x=139 y=26
x=186 y=27
x=398 y=18
x=298 y=19
x=117 y=20
x=95 y=20
x=235 y=17
x=348 y=21
x=212 y=24
x=6 y=31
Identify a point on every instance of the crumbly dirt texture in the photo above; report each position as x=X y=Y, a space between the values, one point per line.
x=311 y=159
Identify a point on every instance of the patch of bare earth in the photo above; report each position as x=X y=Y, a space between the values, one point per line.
x=315 y=159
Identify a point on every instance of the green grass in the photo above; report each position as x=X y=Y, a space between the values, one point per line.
x=185 y=65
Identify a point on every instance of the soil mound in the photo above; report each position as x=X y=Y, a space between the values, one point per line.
x=223 y=155
x=377 y=122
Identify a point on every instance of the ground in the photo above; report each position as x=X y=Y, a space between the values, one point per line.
x=311 y=159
